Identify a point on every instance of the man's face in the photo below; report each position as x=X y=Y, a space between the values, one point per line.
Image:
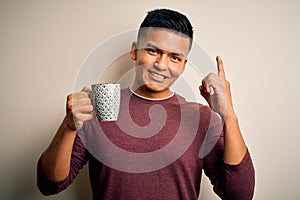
x=160 y=57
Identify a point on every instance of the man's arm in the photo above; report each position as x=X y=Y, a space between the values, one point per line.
x=55 y=161
x=228 y=165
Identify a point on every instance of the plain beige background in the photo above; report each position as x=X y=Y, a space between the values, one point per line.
x=43 y=44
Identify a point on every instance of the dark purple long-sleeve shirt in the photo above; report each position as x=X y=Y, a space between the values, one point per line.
x=192 y=135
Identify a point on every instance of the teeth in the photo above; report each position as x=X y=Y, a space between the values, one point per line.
x=157 y=75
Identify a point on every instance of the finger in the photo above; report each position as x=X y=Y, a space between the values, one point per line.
x=78 y=99
x=203 y=91
x=69 y=103
x=70 y=97
x=82 y=102
x=86 y=89
x=83 y=109
x=82 y=94
x=205 y=85
x=211 y=82
x=204 y=94
x=221 y=71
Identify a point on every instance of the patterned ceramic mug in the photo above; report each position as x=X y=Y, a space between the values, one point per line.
x=107 y=101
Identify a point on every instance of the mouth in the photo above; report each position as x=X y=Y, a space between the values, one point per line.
x=157 y=76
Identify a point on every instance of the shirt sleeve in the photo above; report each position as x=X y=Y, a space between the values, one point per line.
x=232 y=182
x=79 y=158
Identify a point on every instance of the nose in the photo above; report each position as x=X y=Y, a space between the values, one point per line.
x=161 y=63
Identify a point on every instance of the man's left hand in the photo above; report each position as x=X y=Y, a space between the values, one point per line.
x=216 y=91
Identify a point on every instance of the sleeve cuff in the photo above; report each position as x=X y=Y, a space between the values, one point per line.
x=245 y=164
x=45 y=184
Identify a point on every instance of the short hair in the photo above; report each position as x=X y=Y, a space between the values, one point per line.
x=167 y=19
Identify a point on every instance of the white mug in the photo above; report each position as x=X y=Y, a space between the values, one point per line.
x=106 y=101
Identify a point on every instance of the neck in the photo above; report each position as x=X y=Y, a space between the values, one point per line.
x=145 y=92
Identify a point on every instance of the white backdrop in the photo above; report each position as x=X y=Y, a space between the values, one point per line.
x=43 y=44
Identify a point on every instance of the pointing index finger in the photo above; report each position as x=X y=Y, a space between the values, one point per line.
x=221 y=72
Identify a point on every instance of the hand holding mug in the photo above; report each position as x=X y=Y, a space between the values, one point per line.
x=79 y=109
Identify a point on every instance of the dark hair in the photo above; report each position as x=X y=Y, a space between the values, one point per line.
x=168 y=19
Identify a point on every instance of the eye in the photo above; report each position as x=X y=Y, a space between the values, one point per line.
x=175 y=58
x=151 y=51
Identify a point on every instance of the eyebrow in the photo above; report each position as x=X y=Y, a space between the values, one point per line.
x=155 y=47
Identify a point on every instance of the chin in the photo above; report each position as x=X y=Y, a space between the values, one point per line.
x=156 y=87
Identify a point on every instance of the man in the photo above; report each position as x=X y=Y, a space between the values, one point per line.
x=160 y=54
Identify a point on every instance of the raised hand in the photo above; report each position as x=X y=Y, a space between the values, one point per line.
x=216 y=91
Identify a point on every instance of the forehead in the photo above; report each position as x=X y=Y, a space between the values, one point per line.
x=166 y=40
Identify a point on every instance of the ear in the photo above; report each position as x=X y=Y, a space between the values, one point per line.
x=133 y=51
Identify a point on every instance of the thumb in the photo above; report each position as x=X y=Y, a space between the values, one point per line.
x=86 y=89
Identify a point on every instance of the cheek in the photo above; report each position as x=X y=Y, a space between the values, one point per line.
x=141 y=68
x=145 y=59
x=176 y=70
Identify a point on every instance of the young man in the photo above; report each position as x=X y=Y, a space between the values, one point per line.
x=160 y=54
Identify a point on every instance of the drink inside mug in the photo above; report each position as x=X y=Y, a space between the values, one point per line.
x=107 y=100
